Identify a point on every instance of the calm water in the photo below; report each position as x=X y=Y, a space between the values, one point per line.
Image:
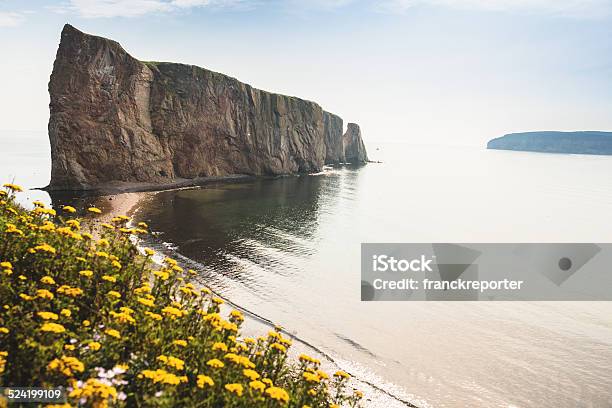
x=288 y=250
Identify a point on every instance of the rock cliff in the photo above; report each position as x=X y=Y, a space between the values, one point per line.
x=115 y=119
x=354 y=149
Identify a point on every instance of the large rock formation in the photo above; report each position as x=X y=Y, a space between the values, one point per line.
x=354 y=149
x=588 y=142
x=334 y=145
x=115 y=119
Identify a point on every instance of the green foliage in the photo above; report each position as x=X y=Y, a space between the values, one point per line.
x=86 y=310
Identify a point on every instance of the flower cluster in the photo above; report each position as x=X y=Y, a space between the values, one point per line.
x=87 y=310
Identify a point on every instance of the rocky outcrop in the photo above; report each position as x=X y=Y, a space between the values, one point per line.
x=334 y=144
x=115 y=119
x=354 y=149
x=587 y=142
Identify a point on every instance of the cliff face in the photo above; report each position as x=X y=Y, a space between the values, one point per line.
x=117 y=119
x=334 y=145
x=587 y=142
x=354 y=149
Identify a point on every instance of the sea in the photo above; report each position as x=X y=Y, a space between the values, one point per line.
x=287 y=251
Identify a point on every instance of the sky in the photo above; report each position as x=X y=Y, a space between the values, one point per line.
x=441 y=72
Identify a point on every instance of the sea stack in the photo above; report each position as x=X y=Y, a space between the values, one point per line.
x=354 y=149
x=117 y=120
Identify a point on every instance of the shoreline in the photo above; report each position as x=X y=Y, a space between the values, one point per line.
x=128 y=203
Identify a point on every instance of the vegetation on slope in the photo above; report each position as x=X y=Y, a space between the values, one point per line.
x=102 y=320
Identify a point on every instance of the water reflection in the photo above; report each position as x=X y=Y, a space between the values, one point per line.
x=237 y=229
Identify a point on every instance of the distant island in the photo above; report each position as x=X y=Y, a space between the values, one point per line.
x=587 y=142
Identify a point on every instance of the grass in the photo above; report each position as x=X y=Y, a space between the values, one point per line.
x=101 y=319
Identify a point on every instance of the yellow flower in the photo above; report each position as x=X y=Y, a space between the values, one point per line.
x=48 y=280
x=214 y=363
x=116 y=264
x=322 y=374
x=44 y=248
x=219 y=346
x=310 y=377
x=181 y=343
x=114 y=294
x=162 y=376
x=53 y=327
x=13 y=187
x=341 y=375
x=47 y=315
x=74 y=224
x=86 y=273
x=279 y=347
x=109 y=278
x=149 y=252
x=358 y=394
x=69 y=209
x=6 y=265
x=278 y=394
x=4 y=330
x=145 y=288
x=161 y=275
x=307 y=359
x=95 y=390
x=146 y=301
x=113 y=333
x=153 y=316
x=66 y=312
x=68 y=291
x=172 y=312
x=218 y=300
x=237 y=315
x=12 y=229
x=250 y=374
x=69 y=347
x=103 y=242
x=22 y=277
x=94 y=210
x=122 y=317
x=94 y=346
x=170 y=261
x=257 y=385
x=172 y=362
x=234 y=388
x=66 y=365
x=240 y=360
x=25 y=297
x=44 y=294
x=86 y=323
x=204 y=380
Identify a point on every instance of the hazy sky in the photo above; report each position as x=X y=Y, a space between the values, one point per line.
x=421 y=71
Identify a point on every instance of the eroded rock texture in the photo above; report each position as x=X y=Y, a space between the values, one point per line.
x=116 y=119
x=354 y=149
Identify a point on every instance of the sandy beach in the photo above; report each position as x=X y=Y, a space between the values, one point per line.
x=117 y=204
